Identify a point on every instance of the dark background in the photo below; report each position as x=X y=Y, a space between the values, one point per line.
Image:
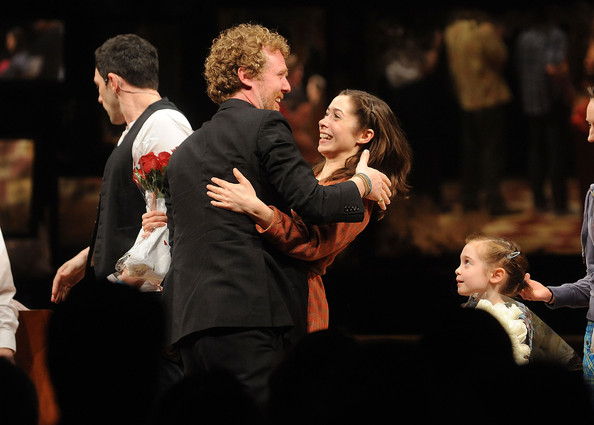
x=368 y=293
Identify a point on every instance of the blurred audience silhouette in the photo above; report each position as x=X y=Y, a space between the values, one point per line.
x=541 y=56
x=477 y=58
x=18 y=397
x=214 y=397
x=103 y=354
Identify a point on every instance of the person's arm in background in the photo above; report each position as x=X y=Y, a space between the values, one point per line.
x=573 y=295
x=8 y=311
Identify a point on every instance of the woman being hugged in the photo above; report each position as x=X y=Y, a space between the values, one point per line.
x=356 y=123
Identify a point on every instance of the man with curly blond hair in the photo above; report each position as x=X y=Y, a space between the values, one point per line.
x=235 y=302
x=240 y=47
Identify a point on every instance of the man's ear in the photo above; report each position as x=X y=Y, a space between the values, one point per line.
x=244 y=77
x=114 y=82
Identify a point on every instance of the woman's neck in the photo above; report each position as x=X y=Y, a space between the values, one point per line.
x=330 y=166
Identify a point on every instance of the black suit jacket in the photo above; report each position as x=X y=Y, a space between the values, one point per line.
x=223 y=273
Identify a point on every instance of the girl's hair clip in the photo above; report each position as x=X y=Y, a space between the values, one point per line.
x=512 y=255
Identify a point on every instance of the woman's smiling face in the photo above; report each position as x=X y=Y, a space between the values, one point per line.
x=339 y=130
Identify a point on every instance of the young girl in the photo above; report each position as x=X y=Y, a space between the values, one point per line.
x=492 y=270
x=355 y=121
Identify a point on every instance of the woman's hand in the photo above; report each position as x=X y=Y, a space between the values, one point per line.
x=237 y=197
x=240 y=198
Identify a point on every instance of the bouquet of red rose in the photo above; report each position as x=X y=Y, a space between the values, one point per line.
x=149 y=257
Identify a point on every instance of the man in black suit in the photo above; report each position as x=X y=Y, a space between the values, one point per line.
x=234 y=301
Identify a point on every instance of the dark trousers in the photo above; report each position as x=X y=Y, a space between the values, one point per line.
x=170 y=370
x=549 y=142
x=483 y=137
x=248 y=354
x=170 y=367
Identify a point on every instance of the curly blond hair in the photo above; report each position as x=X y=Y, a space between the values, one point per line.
x=234 y=48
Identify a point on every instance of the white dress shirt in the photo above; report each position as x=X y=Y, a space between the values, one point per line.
x=8 y=311
x=163 y=131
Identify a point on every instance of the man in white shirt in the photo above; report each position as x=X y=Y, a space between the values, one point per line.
x=126 y=76
x=8 y=311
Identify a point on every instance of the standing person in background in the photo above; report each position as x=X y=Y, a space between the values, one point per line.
x=354 y=121
x=127 y=78
x=20 y=63
x=543 y=75
x=235 y=302
x=477 y=56
x=582 y=40
x=303 y=119
x=8 y=310
x=580 y=293
x=300 y=105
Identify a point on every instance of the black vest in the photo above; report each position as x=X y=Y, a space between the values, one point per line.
x=121 y=204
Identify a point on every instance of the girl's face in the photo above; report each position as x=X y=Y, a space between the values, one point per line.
x=339 y=134
x=472 y=275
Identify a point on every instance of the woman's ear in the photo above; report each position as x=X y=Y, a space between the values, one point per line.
x=365 y=136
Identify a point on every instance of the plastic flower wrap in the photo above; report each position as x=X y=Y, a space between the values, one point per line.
x=527 y=329
x=510 y=317
x=149 y=257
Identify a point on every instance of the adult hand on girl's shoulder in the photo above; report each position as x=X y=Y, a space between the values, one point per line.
x=535 y=291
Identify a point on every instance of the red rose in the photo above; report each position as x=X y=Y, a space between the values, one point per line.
x=164 y=158
x=149 y=162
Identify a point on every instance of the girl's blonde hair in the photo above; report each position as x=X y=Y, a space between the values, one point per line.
x=500 y=252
